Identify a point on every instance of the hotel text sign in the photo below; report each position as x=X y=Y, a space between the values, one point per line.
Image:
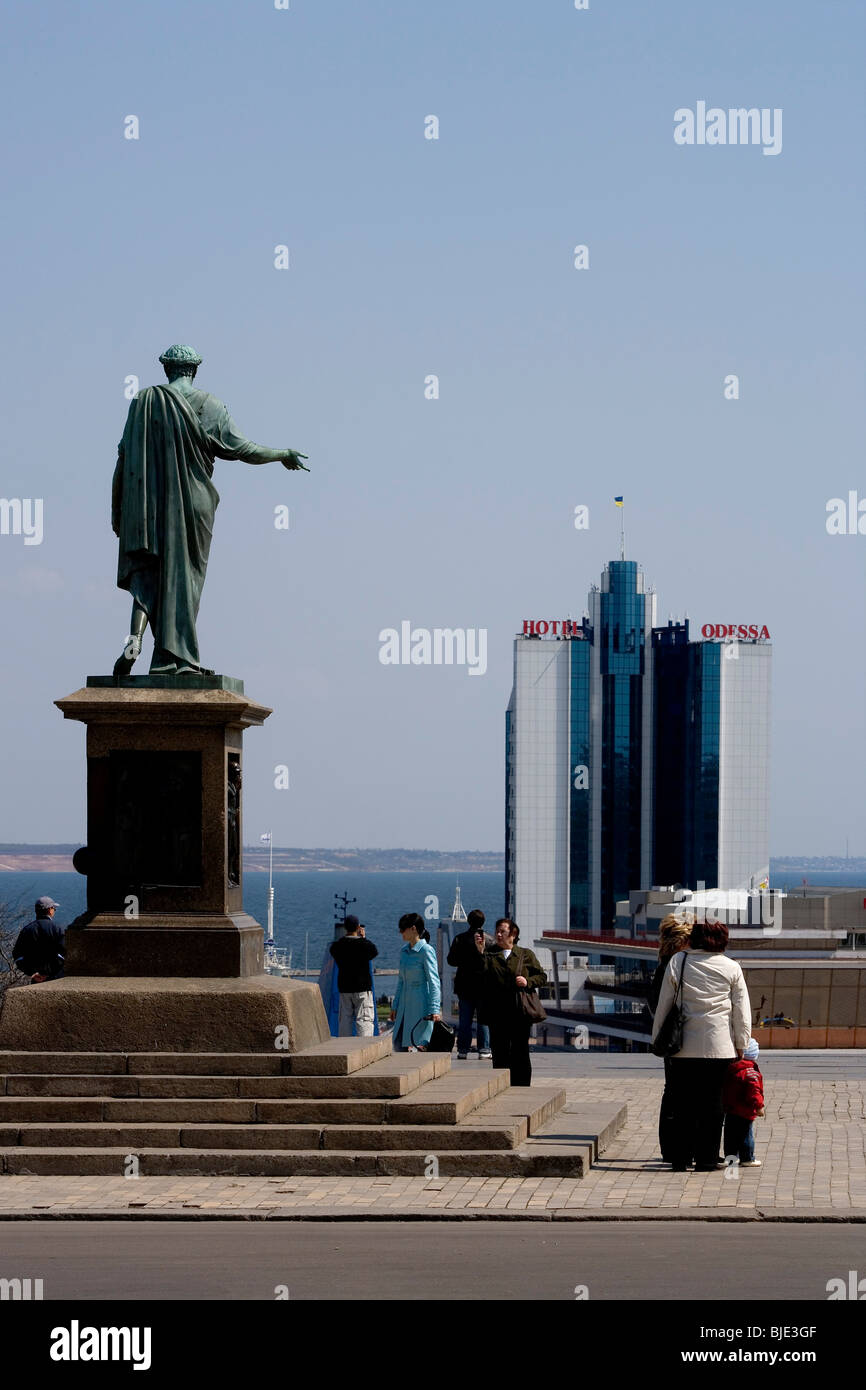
x=558 y=627
x=743 y=631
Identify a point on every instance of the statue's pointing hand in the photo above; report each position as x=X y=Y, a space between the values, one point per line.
x=292 y=460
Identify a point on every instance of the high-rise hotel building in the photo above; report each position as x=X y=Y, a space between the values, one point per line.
x=634 y=756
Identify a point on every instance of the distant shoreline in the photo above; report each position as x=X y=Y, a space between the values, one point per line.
x=59 y=861
x=48 y=859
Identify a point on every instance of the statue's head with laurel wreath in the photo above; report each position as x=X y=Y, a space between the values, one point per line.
x=180 y=360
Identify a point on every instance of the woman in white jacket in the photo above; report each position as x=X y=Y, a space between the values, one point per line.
x=716 y=1029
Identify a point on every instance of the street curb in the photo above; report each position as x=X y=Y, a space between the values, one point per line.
x=845 y=1216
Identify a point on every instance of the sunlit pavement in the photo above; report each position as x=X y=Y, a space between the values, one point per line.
x=812 y=1145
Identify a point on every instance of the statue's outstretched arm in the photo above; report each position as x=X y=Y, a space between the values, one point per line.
x=231 y=444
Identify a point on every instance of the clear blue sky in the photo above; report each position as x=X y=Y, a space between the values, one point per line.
x=409 y=257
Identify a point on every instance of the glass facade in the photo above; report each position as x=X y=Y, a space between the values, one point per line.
x=744 y=763
x=538 y=754
x=701 y=840
x=579 y=820
x=509 y=817
x=686 y=757
x=634 y=974
x=621 y=639
x=670 y=738
x=665 y=745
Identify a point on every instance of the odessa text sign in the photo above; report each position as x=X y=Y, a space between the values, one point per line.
x=743 y=631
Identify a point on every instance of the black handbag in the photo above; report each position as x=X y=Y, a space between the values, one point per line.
x=669 y=1039
x=442 y=1039
x=530 y=1005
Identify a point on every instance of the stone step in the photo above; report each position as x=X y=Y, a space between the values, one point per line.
x=449 y=1099
x=57 y=1063
x=346 y=1106
x=577 y=1133
x=165 y=1162
x=335 y=1057
x=515 y=1132
x=340 y=1056
x=138 y=1138
x=531 y=1107
x=443 y=1101
x=599 y=1123
x=391 y=1077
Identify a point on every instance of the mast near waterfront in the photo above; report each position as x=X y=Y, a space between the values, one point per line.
x=268 y=839
x=458 y=912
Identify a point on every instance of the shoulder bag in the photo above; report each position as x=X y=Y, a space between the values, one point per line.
x=530 y=1005
x=669 y=1039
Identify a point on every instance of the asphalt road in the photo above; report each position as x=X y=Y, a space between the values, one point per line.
x=466 y=1260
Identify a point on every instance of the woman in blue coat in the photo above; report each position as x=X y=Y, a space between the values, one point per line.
x=418 y=993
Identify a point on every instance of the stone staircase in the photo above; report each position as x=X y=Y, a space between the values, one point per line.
x=346 y=1106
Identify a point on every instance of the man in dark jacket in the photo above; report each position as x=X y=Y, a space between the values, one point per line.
x=463 y=954
x=40 y=948
x=353 y=953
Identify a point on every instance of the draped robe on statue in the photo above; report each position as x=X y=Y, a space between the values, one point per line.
x=163 y=506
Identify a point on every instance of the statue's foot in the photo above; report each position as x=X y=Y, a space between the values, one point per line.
x=164 y=665
x=194 y=671
x=131 y=652
x=163 y=662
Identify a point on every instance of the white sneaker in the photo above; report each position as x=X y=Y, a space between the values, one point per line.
x=484 y=1055
x=751 y=1163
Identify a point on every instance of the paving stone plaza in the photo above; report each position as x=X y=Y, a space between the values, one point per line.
x=812 y=1147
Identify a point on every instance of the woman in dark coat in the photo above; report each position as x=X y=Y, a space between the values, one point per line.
x=674 y=933
x=507 y=970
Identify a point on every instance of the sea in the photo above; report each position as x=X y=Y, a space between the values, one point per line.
x=305 y=909
x=304 y=904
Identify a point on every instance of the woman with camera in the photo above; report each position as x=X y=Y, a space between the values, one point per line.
x=508 y=971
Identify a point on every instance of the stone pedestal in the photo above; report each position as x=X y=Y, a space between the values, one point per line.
x=164 y=829
x=264 y=1013
x=164 y=959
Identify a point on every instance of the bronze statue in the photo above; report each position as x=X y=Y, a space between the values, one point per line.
x=163 y=504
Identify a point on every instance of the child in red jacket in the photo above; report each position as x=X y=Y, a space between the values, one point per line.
x=743 y=1102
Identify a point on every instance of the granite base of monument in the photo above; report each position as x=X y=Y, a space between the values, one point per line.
x=163 y=859
x=262 y=1013
x=164 y=958
x=207 y=947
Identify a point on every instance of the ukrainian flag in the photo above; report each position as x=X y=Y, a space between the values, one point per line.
x=619 y=502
